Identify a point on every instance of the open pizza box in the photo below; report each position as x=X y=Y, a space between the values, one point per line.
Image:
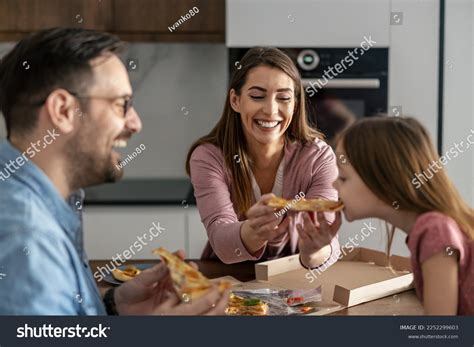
x=361 y=275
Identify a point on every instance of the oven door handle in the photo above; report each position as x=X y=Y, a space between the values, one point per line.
x=343 y=83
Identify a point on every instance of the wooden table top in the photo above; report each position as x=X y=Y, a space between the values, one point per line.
x=402 y=304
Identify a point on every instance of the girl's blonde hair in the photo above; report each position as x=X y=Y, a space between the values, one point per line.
x=228 y=134
x=387 y=153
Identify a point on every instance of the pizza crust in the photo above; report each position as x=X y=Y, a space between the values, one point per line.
x=311 y=205
x=129 y=273
x=188 y=282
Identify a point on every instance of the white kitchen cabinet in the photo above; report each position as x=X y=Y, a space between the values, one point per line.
x=196 y=233
x=306 y=23
x=113 y=229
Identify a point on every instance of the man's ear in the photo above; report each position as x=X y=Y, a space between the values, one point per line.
x=60 y=106
x=234 y=100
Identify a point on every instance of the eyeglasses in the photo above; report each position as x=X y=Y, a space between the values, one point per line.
x=127 y=104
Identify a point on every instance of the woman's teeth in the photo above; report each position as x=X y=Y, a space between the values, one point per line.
x=264 y=124
x=120 y=143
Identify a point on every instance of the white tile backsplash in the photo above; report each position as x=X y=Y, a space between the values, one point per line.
x=180 y=91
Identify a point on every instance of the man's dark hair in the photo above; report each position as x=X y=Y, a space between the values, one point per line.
x=44 y=61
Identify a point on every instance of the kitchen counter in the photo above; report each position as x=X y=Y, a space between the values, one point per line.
x=402 y=304
x=142 y=192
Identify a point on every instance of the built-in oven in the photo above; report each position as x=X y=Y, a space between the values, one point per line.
x=341 y=84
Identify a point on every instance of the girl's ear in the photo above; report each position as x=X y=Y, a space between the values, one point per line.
x=234 y=100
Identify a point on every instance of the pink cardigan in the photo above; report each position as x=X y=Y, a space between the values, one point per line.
x=310 y=169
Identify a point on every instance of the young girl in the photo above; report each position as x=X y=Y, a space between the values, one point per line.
x=383 y=173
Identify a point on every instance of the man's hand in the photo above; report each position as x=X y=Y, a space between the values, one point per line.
x=152 y=293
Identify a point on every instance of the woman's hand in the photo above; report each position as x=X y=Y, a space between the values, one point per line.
x=315 y=238
x=152 y=293
x=262 y=225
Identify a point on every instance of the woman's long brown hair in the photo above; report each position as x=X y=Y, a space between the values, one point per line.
x=228 y=134
x=387 y=152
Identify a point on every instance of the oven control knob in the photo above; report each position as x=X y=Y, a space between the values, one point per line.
x=308 y=59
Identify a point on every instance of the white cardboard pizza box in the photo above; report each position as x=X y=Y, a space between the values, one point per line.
x=361 y=275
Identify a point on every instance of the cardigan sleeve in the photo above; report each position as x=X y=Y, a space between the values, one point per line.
x=215 y=207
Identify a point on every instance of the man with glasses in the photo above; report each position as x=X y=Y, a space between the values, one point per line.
x=70 y=87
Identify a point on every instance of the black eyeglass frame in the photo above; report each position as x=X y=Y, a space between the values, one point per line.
x=128 y=100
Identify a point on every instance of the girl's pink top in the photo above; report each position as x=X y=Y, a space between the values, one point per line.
x=432 y=233
x=309 y=168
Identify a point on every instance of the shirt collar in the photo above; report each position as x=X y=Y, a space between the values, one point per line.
x=36 y=180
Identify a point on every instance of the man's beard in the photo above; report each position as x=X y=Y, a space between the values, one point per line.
x=87 y=167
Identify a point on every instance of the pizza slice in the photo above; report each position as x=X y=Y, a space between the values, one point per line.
x=277 y=202
x=318 y=205
x=126 y=274
x=188 y=282
x=239 y=306
x=314 y=205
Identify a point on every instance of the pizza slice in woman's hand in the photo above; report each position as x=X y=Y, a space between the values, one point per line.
x=310 y=205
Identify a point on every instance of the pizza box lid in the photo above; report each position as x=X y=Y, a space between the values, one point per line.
x=360 y=275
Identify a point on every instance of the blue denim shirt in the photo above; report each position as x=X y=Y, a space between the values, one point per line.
x=43 y=267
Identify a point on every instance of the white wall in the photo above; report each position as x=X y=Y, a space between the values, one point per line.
x=459 y=93
x=413 y=65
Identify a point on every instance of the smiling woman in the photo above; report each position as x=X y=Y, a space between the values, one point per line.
x=263 y=144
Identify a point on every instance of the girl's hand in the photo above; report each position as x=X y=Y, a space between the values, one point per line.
x=262 y=225
x=315 y=236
